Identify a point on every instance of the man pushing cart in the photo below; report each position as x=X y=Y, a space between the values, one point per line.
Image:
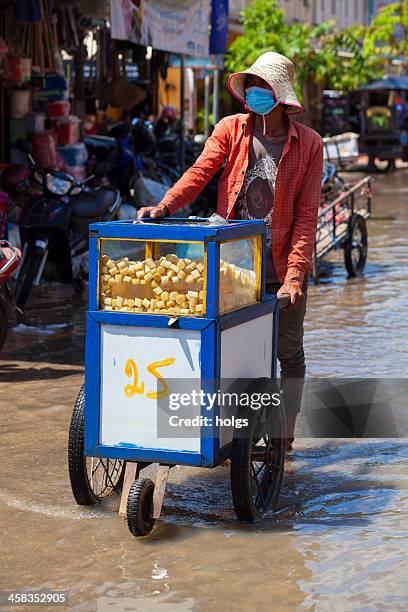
x=196 y=303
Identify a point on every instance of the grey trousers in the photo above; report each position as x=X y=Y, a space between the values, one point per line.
x=290 y=352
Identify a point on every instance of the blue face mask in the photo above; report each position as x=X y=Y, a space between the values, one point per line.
x=260 y=100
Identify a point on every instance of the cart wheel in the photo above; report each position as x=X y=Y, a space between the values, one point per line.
x=380 y=165
x=355 y=246
x=92 y=478
x=140 y=507
x=258 y=455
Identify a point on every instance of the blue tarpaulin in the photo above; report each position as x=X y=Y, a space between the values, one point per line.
x=391 y=83
x=219 y=26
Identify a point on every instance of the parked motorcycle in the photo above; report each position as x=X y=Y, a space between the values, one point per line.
x=54 y=220
x=9 y=260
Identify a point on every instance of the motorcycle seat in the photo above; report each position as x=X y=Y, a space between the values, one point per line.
x=105 y=142
x=93 y=204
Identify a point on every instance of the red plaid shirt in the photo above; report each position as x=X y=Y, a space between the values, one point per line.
x=297 y=188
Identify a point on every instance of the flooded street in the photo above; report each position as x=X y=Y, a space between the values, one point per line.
x=340 y=534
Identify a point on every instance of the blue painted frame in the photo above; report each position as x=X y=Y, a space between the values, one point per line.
x=210 y=327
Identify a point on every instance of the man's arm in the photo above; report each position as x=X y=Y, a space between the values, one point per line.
x=193 y=181
x=305 y=223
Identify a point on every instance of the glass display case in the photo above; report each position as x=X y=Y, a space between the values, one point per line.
x=156 y=277
x=179 y=267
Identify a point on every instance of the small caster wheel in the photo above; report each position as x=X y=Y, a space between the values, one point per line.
x=140 y=507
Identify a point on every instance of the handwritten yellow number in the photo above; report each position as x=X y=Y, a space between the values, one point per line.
x=135 y=388
x=152 y=368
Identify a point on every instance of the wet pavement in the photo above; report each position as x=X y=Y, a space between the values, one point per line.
x=339 y=538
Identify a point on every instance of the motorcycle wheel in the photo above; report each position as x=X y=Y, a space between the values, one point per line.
x=3 y=325
x=26 y=277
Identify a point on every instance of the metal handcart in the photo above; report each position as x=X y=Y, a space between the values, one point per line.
x=177 y=304
x=342 y=224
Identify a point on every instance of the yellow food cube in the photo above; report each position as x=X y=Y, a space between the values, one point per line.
x=143 y=282
x=173 y=295
x=154 y=284
x=170 y=273
x=140 y=274
x=148 y=276
x=201 y=295
x=195 y=274
x=135 y=281
x=184 y=311
x=161 y=304
x=105 y=270
x=171 y=309
x=150 y=263
x=132 y=270
x=124 y=271
x=200 y=267
x=108 y=308
x=200 y=281
x=175 y=279
x=199 y=308
x=165 y=263
x=172 y=258
x=174 y=268
x=153 y=303
x=191 y=266
x=130 y=302
x=127 y=279
x=119 y=301
x=118 y=278
x=110 y=264
x=146 y=303
x=170 y=304
x=181 y=274
x=139 y=266
x=192 y=304
x=111 y=280
x=124 y=309
x=192 y=294
x=165 y=295
x=181 y=264
x=138 y=302
x=106 y=277
x=113 y=270
x=180 y=298
x=188 y=261
x=189 y=279
x=121 y=264
x=114 y=302
x=158 y=290
x=108 y=292
x=165 y=280
x=161 y=270
x=157 y=276
x=107 y=301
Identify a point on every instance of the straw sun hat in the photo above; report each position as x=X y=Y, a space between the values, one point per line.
x=278 y=71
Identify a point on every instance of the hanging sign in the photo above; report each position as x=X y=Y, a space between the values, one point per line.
x=178 y=26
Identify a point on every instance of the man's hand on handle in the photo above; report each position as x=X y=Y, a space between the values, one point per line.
x=154 y=212
x=294 y=292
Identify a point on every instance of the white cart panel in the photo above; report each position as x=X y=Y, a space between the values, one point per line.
x=129 y=411
x=246 y=352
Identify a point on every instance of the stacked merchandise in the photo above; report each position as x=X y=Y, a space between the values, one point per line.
x=59 y=147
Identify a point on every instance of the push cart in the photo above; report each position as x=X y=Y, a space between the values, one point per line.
x=342 y=224
x=177 y=305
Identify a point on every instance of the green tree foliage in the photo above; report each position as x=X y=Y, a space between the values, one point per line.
x=339 y=59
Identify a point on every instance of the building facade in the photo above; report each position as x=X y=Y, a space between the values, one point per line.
x=343 y=12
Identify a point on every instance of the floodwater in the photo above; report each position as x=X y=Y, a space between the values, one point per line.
x=339 y=540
